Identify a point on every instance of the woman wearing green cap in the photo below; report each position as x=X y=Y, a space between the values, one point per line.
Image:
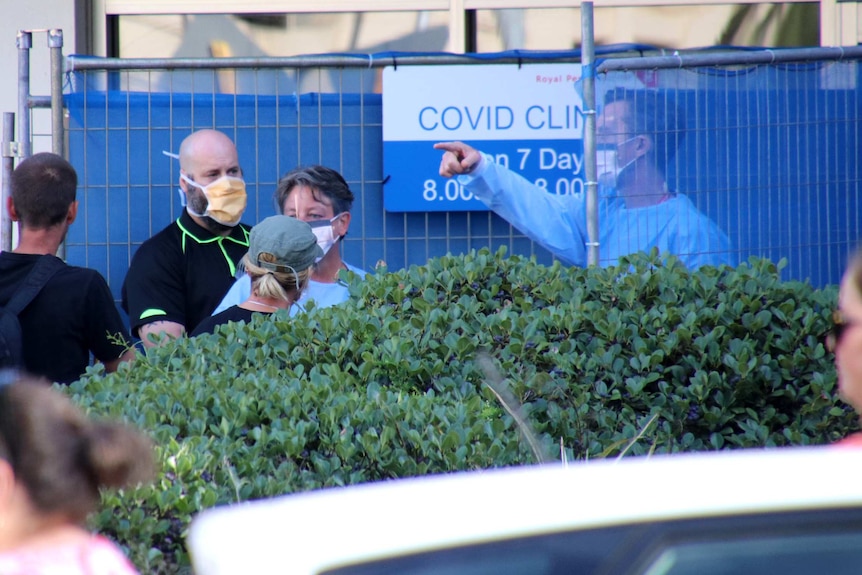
x=279 y=259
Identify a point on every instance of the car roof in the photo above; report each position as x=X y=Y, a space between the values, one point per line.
x=313 y=531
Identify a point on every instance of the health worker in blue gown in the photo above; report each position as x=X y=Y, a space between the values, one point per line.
x=638 y=133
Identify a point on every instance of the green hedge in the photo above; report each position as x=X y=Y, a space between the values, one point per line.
x=646 y=357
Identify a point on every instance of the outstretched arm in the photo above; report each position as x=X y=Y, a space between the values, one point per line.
x=552 y=221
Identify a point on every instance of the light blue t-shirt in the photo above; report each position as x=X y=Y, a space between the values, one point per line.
x=323 y=294
x=558 y=223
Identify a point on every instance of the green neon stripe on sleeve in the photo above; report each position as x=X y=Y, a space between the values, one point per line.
x=152 y=312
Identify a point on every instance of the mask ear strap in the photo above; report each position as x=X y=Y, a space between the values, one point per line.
x=189 y=181
x=336 y=217
x=184 y=200
x=295 y=276
x=292 y=269
x=645 y=143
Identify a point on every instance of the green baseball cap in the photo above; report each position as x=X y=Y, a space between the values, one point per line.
x=290 y=243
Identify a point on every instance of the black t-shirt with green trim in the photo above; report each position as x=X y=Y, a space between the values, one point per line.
x=231 y=314
x=181 y=273
x=73 y=315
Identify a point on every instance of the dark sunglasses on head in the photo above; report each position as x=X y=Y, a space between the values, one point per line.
x=840 y=324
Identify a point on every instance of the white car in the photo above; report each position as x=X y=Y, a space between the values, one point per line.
x=782 y=511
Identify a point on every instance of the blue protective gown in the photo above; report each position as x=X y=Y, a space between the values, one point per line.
x=558 y=223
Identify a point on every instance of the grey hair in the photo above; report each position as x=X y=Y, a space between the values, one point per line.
x=321 y=180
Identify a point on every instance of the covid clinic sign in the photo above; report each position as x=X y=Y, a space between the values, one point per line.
x=529 y=118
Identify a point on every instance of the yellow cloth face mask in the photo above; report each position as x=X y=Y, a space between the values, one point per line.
x=226 y=199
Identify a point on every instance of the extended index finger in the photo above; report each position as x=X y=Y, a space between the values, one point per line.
x=454 y=147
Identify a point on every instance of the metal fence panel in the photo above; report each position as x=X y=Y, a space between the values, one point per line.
x=770 y=154
x=128 y=186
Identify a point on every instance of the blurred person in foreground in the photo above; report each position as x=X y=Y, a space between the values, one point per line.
x=53 y=461
x=320 y=197
x=845 y=341
x=282 y=251
x=638 y=133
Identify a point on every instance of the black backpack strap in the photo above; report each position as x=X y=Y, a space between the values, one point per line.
x=38 y=277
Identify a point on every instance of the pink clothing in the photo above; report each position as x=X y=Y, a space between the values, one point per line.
x=98 y=556
x=852 y=440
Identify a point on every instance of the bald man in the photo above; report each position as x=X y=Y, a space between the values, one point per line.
x=178 y=276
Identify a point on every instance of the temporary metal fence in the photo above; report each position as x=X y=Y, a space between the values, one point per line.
x=770 y=155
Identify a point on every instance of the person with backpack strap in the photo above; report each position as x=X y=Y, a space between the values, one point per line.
x=71 y=312
x=11 y=339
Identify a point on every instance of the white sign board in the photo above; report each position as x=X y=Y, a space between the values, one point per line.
x=529 y=117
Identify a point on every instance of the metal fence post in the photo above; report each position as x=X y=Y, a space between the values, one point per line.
x=591 y=184
x=772 y=200
x=25 y=42
x=58 y=132
x=8 y=148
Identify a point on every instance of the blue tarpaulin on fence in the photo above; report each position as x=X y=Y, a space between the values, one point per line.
x=771 y=157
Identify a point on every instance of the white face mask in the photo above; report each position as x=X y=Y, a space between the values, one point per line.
x=226 y=199
x=325 y=235
x=607 y=163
